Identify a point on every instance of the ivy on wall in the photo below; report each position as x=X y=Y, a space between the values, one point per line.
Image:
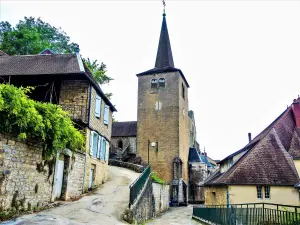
x=29 y=119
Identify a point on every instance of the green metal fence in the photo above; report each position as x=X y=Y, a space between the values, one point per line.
x=137 y=186
x=249 y=214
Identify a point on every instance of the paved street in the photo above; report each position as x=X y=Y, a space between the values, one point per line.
x=175 y=216
x=105 y=206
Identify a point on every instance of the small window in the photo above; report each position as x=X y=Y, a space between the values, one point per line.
x=259 y=191
x=267 y=191
x=154 y=83
x=161 y=82
x=183 y=91
x=120 y=144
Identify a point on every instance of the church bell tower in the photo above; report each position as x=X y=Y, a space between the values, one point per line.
x=162 y=123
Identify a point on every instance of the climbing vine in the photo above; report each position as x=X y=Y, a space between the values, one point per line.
x=29 y=119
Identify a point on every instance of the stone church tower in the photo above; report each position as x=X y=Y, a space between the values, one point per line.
x=162 y=123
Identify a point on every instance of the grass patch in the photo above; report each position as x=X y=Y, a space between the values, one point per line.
x=157 y=179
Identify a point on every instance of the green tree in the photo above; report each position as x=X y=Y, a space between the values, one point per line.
x=28 y=119
x=31 y=36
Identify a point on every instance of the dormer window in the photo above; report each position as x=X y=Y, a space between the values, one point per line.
x=162 y=82
x=154 y=83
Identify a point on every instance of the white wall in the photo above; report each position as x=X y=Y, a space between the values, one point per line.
x=161 y=197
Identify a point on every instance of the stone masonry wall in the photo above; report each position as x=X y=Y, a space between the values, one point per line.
x=27 y=183
x=74 y=98
x=126 y=141
x=215 y=195
x=184 y=128
x=75 y=176
x=159 y=124
x=144 y=207
x=97 y=124
x=100 y=166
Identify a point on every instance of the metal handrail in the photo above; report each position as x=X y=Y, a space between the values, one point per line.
x=137 y=186
x=249 y=214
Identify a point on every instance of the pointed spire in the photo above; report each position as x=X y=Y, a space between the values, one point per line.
x=164 y=57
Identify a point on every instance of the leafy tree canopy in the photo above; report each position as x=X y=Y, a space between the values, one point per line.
x=35 y=120
x=31 y=36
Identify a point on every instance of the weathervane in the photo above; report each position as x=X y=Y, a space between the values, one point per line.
x=164 y=4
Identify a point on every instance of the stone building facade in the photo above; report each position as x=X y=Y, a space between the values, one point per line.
x=165 y=127
x=61 y=79
x=162 y=119
x=123 y=141
x=90 y=109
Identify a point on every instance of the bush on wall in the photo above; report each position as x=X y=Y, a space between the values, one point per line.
x=29 y=119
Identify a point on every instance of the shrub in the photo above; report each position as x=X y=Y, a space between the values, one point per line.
x=29 y=119
x=157 y=179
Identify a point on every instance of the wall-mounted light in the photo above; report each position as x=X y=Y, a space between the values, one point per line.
x=153 y=144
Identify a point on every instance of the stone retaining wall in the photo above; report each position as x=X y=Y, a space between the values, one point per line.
x=26 y=181
x=143 y=208
x=131 y=166
x=161 y=195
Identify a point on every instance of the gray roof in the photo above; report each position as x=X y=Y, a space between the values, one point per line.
x=164 y=55
x=39 y=64
x=49 y=64
x=124 y=129
x=164 y=59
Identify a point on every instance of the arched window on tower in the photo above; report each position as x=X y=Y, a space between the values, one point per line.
x=120 y=144
x=183 y=91
x=154 y=83
x=161 y=82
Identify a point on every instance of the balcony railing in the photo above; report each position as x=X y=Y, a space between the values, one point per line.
x=78 y=113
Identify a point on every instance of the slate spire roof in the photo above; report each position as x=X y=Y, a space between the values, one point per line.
x=164 y=57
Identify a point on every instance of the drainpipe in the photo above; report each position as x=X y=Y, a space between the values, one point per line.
x=227 y=196
x=89 y=113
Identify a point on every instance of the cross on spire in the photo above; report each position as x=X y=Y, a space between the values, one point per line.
x=164 y=4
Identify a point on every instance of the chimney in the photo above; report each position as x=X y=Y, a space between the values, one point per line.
x=249 y=137
x=296 y=111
